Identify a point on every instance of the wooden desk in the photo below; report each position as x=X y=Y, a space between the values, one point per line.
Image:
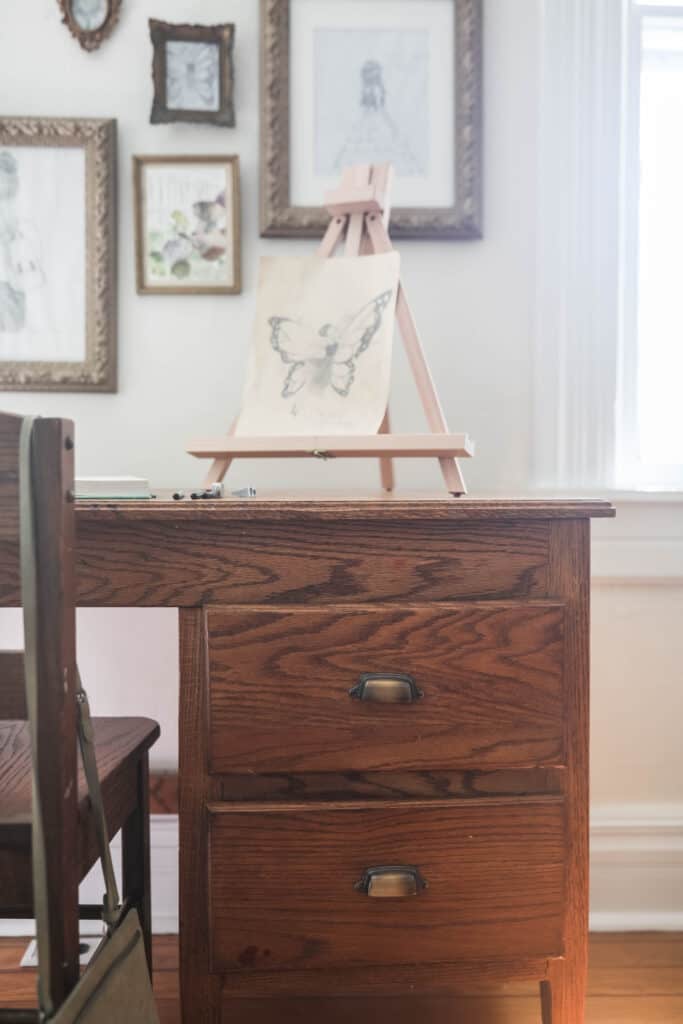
x=291 y=788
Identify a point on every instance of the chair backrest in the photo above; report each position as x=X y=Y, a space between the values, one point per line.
x=55 y=641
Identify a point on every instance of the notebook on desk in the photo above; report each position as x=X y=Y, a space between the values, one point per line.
x=125 y=488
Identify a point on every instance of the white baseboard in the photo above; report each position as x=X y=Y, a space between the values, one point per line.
x=637 y=868
x=636 y=871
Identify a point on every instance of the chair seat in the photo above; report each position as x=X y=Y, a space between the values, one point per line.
x=120 y=743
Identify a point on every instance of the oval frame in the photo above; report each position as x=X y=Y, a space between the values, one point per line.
x=90 y=40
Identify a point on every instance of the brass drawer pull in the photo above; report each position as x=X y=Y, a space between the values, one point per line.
x=386 y=688
x=391 y=882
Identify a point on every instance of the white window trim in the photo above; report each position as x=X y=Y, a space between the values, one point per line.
x=584 y=361
x=577 y=308
x=629 y=472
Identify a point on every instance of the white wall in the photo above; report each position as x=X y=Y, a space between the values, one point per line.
x=182 y=359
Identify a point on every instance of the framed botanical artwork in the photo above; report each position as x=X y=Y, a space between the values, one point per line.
x=187 y=219
x=369 y=81
x=57 y=254
x=193 y=73
x=90 y=21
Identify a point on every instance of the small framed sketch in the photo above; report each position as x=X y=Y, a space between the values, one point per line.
x=187 y=219
x=90 y=21
x=57 y=254
x=193 y=73
x=371 y=82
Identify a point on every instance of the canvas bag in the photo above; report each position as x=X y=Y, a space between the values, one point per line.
x=116 y=986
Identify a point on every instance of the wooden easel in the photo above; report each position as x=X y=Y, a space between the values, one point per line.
x=360 y=209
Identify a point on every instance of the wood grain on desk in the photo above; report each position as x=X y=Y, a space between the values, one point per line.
x=344 y=506
x=365 y=548
x=283 y=875
x=489 y=676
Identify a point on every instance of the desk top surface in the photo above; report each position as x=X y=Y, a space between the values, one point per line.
x=331 y=505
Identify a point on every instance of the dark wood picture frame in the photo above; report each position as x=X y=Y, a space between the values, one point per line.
x=223 y=36
x=281 y=219
x=143 y=288
x=97 y=372
x=90 y=39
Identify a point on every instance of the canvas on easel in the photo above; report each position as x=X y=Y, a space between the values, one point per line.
x=319 y=367
x=320 y=357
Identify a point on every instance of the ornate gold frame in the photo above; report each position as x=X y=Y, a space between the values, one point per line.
x=139 y=163
x=280 y=219
x=90 y=40
x=97 y=372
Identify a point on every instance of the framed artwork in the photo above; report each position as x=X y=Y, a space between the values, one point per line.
x=57 y=254
x=90 y=21
x=187 y=219
x=193 y=73
x=370 y=81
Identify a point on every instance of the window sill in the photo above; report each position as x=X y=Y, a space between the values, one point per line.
x=643 y=545
x=644 y=497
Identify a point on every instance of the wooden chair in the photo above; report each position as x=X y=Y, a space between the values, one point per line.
x=122 y=744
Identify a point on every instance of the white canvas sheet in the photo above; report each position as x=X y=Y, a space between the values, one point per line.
x=320 y=359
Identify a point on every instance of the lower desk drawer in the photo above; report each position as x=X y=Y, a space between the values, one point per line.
x=283 y=883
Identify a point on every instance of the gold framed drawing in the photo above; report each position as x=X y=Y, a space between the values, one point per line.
x=187 y=225
x=57 y=254
x=397 y=81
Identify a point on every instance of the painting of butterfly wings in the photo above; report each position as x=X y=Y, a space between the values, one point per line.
x=327 y=357
x=320 y=358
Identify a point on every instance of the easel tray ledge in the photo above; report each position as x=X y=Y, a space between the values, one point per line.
x=362 y=446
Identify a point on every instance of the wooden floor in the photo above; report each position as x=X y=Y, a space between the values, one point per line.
x=634 y=979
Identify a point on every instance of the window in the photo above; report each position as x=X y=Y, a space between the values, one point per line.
x=650 y=429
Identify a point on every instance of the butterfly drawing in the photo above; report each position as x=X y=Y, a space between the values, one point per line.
x=327 y=357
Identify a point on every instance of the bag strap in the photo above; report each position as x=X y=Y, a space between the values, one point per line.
x=29 y=598
x=111 y=912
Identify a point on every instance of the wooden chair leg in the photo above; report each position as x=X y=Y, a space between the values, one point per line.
x=136 y=858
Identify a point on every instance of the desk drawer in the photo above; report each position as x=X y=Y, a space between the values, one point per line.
x=284 y=879
x=485 y=687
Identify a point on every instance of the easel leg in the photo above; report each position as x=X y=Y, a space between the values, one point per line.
x=418 y=364
x=219 y=467
x=386 y=466
x=217 y=471
x=331 y=237
x=357 y=242
x=452 y=477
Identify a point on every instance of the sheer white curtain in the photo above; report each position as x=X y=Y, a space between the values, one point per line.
x=576 y=361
